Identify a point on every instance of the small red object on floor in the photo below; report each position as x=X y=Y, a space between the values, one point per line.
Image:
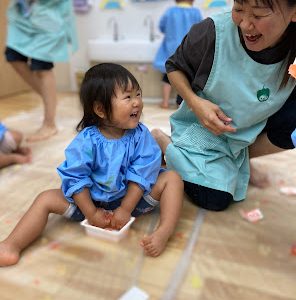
x=293 y=250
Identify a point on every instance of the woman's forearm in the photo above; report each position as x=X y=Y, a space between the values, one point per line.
x=180 y=82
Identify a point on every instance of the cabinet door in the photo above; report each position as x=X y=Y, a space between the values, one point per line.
x=10 y=82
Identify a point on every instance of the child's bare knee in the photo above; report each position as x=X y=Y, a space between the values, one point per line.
x=173 y=176
x=43 y=198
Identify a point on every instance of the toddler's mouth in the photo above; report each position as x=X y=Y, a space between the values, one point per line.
x=134 y=114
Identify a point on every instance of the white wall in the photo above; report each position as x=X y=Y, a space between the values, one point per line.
x=130 y=18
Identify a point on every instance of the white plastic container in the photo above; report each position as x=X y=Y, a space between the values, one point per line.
x=110 y=235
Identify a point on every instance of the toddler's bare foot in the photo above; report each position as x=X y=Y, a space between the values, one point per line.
x=164 y=105
x=42 y=133
x=8 y=255
x=155 y=243
x=258 y=177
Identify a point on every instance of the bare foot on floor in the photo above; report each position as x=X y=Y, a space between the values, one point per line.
x=23 y=155
x=155 y=243
x=258 y=176
x=41 y=134
x=8 y=255
x=164 y=105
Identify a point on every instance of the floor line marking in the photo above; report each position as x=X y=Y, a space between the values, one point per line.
x=182 y=266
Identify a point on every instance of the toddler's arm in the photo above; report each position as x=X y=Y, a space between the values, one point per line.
x=123 y=213
x=95 y=216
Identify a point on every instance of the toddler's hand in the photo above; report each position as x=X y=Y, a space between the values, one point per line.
x=100 y=219
x=120 y=218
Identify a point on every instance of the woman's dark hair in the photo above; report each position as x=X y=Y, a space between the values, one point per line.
x=291 y=33
x=99 y=86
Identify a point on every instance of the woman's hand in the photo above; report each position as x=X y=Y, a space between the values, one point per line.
x=119 y=218
x=212 y=117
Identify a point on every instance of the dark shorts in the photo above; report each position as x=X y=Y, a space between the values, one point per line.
x=35 y=64
x=280 y=126
x=206 y=197
x=145 y=205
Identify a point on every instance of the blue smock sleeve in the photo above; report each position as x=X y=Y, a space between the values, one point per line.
x=76 y=170
x=162 y=23
x=146 y=161
x=3 y=129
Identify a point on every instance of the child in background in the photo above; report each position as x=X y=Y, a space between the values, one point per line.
x=11 y=151
x=174 y=24
x=239 y=100
x=112 y=169
x=38 y=34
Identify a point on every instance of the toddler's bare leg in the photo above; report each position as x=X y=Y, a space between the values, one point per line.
x=169 y=189
x=31 y=225
x=161 y=138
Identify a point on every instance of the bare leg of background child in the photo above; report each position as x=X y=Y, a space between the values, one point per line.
x=42 y=82
x=15 y=154
x=169 y=189
x=166 y=92
x=22 y=154
x=32 y=224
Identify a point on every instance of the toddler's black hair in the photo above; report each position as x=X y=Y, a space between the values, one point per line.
x=99 y=86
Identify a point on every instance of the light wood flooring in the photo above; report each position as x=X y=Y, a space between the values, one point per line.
x=231 y=258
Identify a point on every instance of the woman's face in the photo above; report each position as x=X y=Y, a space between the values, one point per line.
x=261 y=26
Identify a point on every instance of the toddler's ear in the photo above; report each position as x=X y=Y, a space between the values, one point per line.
x=98 y=109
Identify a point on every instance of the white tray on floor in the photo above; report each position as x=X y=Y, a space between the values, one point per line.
x=107 y=234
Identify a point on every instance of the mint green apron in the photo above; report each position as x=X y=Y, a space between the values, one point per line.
x=44 y=34
x=246 y=91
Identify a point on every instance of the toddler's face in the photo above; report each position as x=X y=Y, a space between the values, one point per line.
x=127 y=108
x=261 y=26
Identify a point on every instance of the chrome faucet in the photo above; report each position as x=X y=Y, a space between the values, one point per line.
x=149 y=21
x=113 y=21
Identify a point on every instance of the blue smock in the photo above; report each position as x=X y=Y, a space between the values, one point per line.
x=246 y=91
x=105 y=166
x=3 y=129
x=174 y=24
x=44 y=32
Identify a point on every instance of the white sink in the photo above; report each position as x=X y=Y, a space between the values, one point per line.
x=126 y=50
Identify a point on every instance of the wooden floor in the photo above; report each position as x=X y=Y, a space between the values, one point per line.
x=231 y=258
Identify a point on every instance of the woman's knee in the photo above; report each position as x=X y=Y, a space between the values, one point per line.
x=208 y=198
